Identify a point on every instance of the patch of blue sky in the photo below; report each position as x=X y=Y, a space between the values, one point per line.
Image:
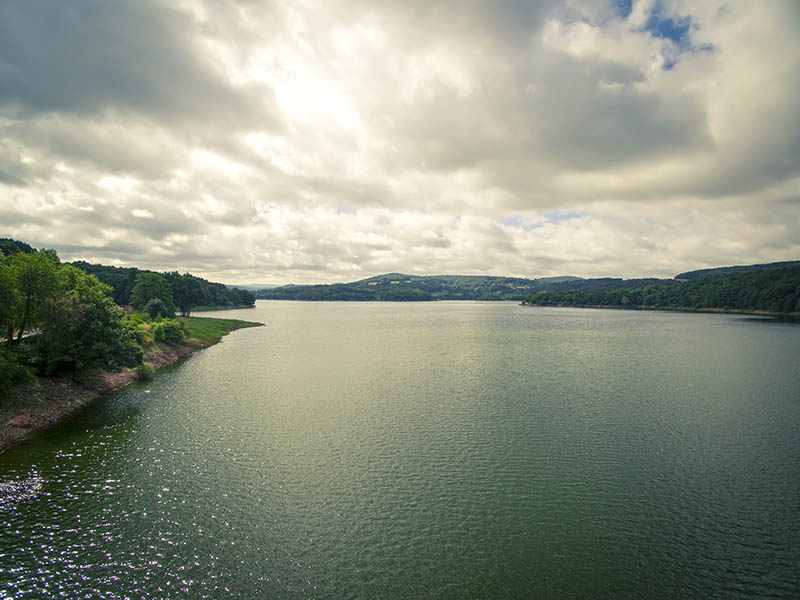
x=516 y=221
x=669 y=27
x=675 y=28
x=624 y=7
x=554 y=217
x=560 y=217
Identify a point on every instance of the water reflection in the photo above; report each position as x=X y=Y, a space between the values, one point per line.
x=441 y=450
x=20 y=489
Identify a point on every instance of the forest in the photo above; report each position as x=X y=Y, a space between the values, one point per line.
x=62 y=318
x=187 y=289
x=768 y=289
x=401 y=287
x=771 y=287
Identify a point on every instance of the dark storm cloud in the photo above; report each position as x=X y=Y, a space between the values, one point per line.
x=90 y=56
x=12 y=170
x=102 y=144
x=590 y=115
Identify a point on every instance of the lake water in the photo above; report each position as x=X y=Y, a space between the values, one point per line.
x=432 y=450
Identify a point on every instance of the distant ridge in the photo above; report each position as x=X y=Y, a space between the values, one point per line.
x=713 y=272
x=771 y=289
x=404 y=287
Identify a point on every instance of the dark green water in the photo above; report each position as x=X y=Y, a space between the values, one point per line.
x=442 y=450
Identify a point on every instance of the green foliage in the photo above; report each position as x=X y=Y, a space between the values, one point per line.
x=29 y=280
x=145 y=371
x=703 y=273
x=396 y=286
x=138 y=318
x=187 y=290
x=152 y=286
x=397 y=294
x=204 y=331
x=771 y=290
x=169 y=330
x=770 y=287
x=72 y=321
x=121 y=279
x=82 y=327
x=9 y=300
x=11 y=372
x=156 y=309
x=9 y=246
x=143 y=333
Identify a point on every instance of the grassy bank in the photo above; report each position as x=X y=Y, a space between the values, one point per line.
x=205 y=331
x=226 y=307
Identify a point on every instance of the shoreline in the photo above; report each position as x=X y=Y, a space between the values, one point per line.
x=731 y=311
x=37 y=405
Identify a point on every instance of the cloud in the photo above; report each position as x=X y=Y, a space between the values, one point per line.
x=88 y=57
x=311 y=142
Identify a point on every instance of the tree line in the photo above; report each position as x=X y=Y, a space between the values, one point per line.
x=400 y=287
x=58 y=318
x=55 y=318
x=771 y=290
x=187 y=291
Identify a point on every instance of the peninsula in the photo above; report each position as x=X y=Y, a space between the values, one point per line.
x=64 y=341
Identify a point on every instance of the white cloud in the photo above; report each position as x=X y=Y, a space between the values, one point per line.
x=304 y=142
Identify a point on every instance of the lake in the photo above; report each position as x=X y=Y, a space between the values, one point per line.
x=427 y=450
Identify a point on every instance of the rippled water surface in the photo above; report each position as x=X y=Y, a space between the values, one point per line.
x=442 y=450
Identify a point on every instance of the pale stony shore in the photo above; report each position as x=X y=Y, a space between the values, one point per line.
x=43 y=402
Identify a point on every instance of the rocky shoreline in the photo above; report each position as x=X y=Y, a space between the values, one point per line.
x=43 y=402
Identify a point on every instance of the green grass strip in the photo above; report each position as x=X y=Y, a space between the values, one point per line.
x=205 y=331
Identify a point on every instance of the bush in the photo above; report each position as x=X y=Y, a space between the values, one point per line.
x=145 y=371
x=143 y=333
x=11 y=372
x=169 y=330
x=156 y=309
x=138 y=317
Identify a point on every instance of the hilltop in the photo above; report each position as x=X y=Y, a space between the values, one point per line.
x=768 y=287
x=403 y=287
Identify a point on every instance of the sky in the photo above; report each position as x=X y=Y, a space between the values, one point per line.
x=279 y=142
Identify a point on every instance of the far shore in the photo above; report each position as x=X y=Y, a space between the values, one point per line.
x=44 y=402
x=733 y=311
x=227 y=307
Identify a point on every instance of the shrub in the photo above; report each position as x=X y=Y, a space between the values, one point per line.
x=11 y=372
x=145 y=371
x=156 y=309
x=143 y=333
x=169 y=330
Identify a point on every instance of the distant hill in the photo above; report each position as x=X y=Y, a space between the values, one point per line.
x=252 y=287
x=403 y=287
x=9 y=246
x=775 y=289
x=703 y=273
x=768 y=287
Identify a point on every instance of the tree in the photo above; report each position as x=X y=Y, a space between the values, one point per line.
x=187 y=291
x=9 y=246
x=149 y=286
x=83 y=327
x=156 y=309
x=8 y=302
x=34 y=278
